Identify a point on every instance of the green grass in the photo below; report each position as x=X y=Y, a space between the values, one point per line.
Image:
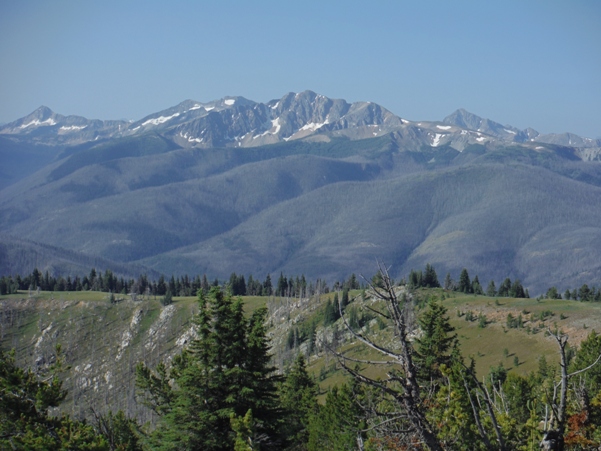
x=92 y=330
x=485 y=345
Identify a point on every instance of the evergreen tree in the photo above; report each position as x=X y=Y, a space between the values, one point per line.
x=167 y=299
x=345 y=299
x=491 y=290
x=504 y=288
x=415 y=279
x=430 y=279
x=465 y=286
x=552 y=293
x=25 y=422
x=298 y=397
x=584 y=293
x=337 y=425
x=517 y=290
x=282 y=285
x=436 y=343
x=448 y=282
x=590 y=350
x=476 y=287
x=267 y=287
x=121 y=433
x=224 y=372
x=332 y=311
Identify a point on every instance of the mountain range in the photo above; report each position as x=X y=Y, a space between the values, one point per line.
x=304 y=184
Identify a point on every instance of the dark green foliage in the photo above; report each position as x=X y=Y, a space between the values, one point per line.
x=121 y=433
x=448 y=282
x=298 y=398
x=519 y=392
x=357 y=318
x=24 y=419
x=237 y=285
x=337 y=424
x=552 y=293
x=332 y=311
x=476 y=287
x=426 y=279
x=491 y=289
x=345 y=299
x=464 y=285
x=267 y=287
x=504 y=288
x=482 y=321
x=542 y=315
x=167 y=299
x=224 y=372
x=584 y=293
x=513 y=322
x=497 y=375
x=517 y=290
x=590 y=350
x=436 y=344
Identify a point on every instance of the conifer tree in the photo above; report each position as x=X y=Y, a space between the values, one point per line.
x=25 y=422
x=436 y=343
x=430 y=279
x=298 y=397
x=225 y=372
x=337 y=424
x=491 y=290
x=465 y=286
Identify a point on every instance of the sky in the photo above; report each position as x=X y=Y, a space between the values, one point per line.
x=524 y=63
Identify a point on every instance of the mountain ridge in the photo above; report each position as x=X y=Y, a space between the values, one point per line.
x=235 y=121
x=305 y=184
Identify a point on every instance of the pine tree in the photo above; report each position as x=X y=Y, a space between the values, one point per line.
x=491 y=290
x=436 y=343
x=25 y=422
x=298 y=397
x=517 y=290
x=476 y=287
x=430 y=279
x=337 y=425
x=224 y=372
x=465 y=286
x=504 y=288
x=267 y=286
x=448 y=282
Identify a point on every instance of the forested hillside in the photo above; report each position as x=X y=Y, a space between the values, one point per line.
x=455 y=363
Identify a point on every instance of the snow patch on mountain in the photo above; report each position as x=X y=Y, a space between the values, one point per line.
x=312 y=126
x=229 y=102
x=159 y=120
x=37 y=122
x=190 y=138
x=71 y=128
x=276 y=123
x=436 y=139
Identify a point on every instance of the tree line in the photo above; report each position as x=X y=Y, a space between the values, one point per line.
x=223 y=393
x=108 y=282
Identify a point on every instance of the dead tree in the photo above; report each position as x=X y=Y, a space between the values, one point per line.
x=553 y=437
x=401 y=384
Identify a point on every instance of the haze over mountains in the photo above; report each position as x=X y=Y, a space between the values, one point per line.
x=303 y=184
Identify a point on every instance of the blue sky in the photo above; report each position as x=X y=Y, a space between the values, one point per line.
x=523 y=63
